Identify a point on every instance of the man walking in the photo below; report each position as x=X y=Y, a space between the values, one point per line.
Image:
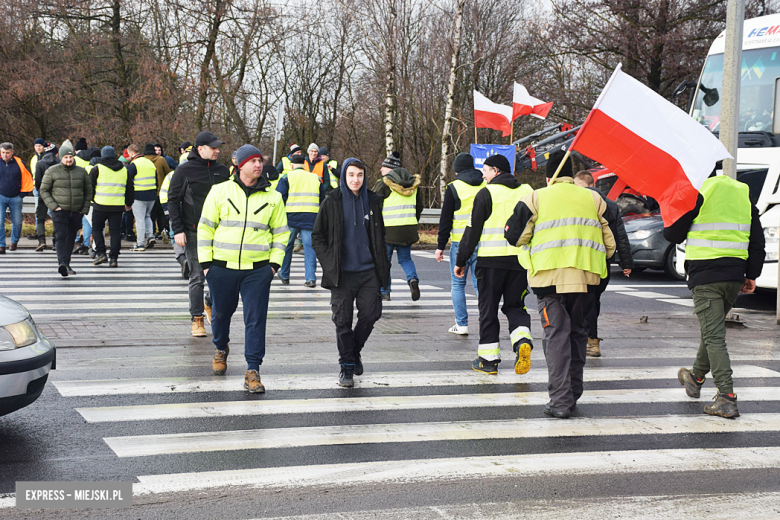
x=498 y=271
x=190 y=185
x=144 y=175
x=50 y=158
x=565 y=242
x=401 y=211
x=348 y=237
x=114 y=192
x=724 y=254
x=241 y=238
x=67 y=192
x=15 y=182
x=455 y=214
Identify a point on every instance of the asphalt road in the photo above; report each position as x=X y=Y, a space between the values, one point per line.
x=420 y=436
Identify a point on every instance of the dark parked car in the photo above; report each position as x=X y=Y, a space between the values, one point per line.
x=648 y=246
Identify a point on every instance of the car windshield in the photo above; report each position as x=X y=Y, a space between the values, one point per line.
x=760 y=67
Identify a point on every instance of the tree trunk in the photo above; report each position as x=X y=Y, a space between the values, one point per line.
x=122 y=74
x=390 y=108
x=447 y=132
x=211 y=44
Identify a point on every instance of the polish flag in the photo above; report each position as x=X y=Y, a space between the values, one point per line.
x=492 y=115
x=652 y=145
x=524 y=104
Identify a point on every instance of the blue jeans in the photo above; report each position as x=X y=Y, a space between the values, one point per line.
x=404 y=260
x=254 y=287
x=459 y=285
x=86 y=232
x=309 y=258
x=15 y=205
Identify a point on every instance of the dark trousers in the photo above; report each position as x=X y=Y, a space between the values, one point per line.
x=196 y=274
x=99 y=219
x=41 y=212
x=594 y=309
x=158 y=216
x=492 y=285
x=66 y=227
x=361 y=288
x=126 y=224
x=254 y=287
x=564 y=346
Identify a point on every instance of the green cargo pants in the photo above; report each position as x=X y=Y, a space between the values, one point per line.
x=711 y=303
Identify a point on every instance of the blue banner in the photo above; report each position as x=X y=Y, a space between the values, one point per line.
x=480 y=152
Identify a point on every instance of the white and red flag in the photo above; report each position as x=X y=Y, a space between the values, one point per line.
x=524 y=104
x=652 y=145
x=492 y=115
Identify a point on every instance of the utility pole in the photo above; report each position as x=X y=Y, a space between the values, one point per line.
x=732 y=75
x=278 y=129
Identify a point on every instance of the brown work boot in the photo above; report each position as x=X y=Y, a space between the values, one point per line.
x=12 y=247
x=723 y=405
x=252 y=382
x=593 y=349
x=207 y=310
x=198 y=329
x=219 y=365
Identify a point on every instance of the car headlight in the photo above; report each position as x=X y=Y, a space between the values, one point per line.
x=18 y=335
x=640 y=234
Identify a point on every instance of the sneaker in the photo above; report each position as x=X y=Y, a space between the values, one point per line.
x=219 y=365
x=70 y=271
x=150 y=243
x=285 y=281
x=554 y=413
x=100 y=259
x=345 y=376
x=198 y=329
x=41 y=246
x=593 y=349
x=92 y=253
x=690 y=382
x=166 y=239
x=311 y=284
x=113 y=263
x=63 y=270
x=84 y=250
x=386 y=297
x=33 y=236
x=486 y=367
x=137 y=248
x=522 y=355
x=460 y=330
x=252 y=382
x=207 y=310
x=414 y=287
x=358 y=364
x=723 y=406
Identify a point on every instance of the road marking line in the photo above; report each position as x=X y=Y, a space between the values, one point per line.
x=377 y=380
x=685 y=302
x=416 y=402
x=646 y=294
x=126 y=297
x=58 y=314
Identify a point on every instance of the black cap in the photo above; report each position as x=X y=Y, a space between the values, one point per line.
x=297 y=159
x=324 y=151
x=185 y=145
x=464 y=161
x=499 y=162
x=208 y=139
x=552 y=164
x=149 y=149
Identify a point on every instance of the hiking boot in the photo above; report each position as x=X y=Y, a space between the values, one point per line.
x=207 y=309
x=166 y=239
x=150 y=243
x=310 y=284
x=690 y=382
x=41 y=246
x=565 y=414
x=113 y=263
x=723 y=406
x=414 y=287
x=358 y=364
x=252 y=382
x=219 y=365
x=62 y=269
x=137 y=248
x=386 y=297
x=33 y=236
x=460 y=330
x=2 y=250
x=486 y=367
x=198 y=329
x=100 y=259
x=12 y=247
x=345 y=376
x=523 y=355
x=593 y=349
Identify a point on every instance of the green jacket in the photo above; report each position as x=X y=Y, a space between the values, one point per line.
x=66 y=187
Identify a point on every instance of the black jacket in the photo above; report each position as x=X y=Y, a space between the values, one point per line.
x=615 y=221
x=44 y=163
x=483 y=208
x=189 y=187
x=116 y=165
x=327 y=232
x=702 y=272
x=451 y=204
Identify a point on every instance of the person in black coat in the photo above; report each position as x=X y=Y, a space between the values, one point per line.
x=623 y=248
x=349 y=240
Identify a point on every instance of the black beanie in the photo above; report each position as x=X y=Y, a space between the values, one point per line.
x=464 y=161
x=297 y=159
x=552 y=164
x=81 y=144
x=149 y=149
x=499 y=162
x=393 y=161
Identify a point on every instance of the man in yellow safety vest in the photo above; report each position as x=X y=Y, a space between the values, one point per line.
x=114 y=193
x=144 y=175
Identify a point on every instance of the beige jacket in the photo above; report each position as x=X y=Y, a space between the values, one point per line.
x=567 y=280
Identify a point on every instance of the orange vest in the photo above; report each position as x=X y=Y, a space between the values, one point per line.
x=27 y=179
x=318 y=168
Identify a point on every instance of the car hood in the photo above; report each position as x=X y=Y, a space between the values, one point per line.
x=637 y=222
x=11 y=312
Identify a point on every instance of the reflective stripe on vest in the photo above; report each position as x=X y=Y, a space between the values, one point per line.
x=567 y=232
x=722 y=228
x=304 y=192
x=466 y=193
x=492 y=241
x=166 y=185
x=111 y=186
x=400 y=210
x=145 y=175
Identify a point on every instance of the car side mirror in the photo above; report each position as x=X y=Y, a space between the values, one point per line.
x=775 y=108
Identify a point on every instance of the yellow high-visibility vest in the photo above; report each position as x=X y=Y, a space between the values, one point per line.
x=400 y=210
x=303 y=195
x=492 y=241
x=111 y=186
x=165 y=187
x=466 y=193
x=145 y=175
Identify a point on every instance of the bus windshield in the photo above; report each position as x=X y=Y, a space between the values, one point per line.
x=760 y=67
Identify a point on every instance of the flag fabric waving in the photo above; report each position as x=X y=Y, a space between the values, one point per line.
x=524 y=104
x=652 y=145
x=492 y=115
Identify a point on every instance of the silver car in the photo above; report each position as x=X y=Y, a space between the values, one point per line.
x=26 y=357
x=648 y=246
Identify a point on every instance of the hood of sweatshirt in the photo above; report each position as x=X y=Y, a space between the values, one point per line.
x=507 y=179
x=471 y=176
x=112 y=162
x=83 y=154
x=401 y=181
x=355 y=207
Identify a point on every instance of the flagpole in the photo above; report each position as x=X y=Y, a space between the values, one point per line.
x=560 y=166
x=476 y=141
